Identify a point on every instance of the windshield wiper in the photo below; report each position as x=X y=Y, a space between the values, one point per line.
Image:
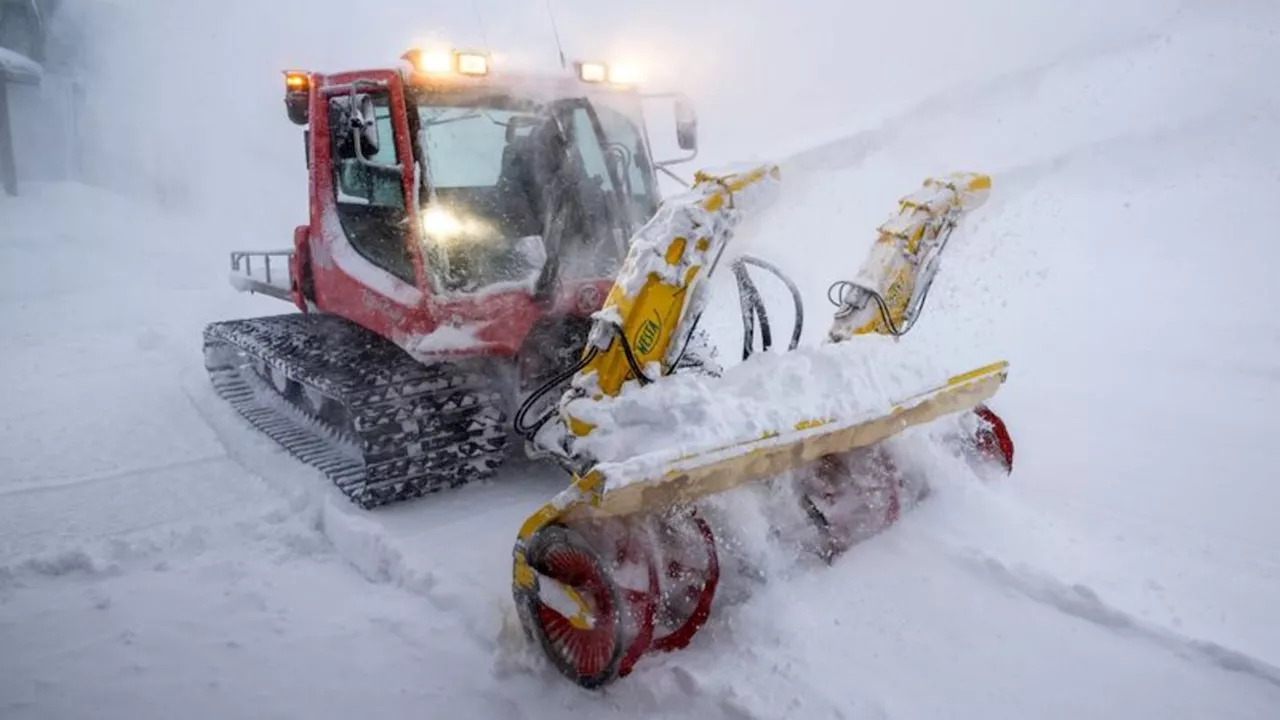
x=441 y=121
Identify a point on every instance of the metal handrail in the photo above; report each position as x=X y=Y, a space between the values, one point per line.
x=246 y=257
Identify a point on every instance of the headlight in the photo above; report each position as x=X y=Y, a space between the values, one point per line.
x=434 y=62
x=624 y=74
x=440 y=223
x=593 y=72
x=473 y=63
x=447 y=62
x=598 y=72
x=444 y=225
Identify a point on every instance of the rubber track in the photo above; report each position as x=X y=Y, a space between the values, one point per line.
x=410 y=429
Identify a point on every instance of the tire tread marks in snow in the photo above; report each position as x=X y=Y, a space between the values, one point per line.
x=380 y=425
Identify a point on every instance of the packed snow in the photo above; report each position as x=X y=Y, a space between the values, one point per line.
x=160 y=559
x=769 y=393
x=443 y=339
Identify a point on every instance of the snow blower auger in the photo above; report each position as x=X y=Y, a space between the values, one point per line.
x=620 y=563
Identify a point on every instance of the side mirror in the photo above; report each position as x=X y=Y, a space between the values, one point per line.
x=686 y=124
x=686 y=127
x=356 y=127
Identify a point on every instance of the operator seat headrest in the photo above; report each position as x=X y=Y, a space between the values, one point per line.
x=520 y=202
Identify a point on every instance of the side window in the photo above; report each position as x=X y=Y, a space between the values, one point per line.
x=370 y=196
x=600 y=190
x=627 y=149
x=589 y=149
x=379 y=185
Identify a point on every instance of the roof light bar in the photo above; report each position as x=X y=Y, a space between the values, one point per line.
x=447 y=62
x=594 y=72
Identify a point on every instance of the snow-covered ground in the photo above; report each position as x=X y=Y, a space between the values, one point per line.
x=159 y=559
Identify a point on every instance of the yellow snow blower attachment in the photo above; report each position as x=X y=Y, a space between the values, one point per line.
x=620 y=563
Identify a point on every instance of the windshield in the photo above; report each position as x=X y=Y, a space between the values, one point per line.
x=464 y=146
x=497 y=177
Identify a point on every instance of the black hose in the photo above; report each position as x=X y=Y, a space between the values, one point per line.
x=685 y=348
x=798 y=329
x=836 y=293
x=753 y=308
x=752 y=312
x=631 y=359
x=528 y=431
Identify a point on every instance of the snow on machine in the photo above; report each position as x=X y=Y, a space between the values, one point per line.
x=621 y=563
x=488 y=257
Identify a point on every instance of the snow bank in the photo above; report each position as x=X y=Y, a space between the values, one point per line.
x=1083 y=602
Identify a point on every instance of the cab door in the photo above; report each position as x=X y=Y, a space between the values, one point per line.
x=374 y=173
x=364 y=228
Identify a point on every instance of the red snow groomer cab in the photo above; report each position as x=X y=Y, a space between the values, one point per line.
x=464 y=223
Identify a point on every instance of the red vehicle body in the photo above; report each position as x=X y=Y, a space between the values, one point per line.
x=462 y=230
x=327 y=274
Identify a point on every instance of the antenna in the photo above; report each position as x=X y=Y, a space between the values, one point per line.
x=559 y=48
x=484 y=34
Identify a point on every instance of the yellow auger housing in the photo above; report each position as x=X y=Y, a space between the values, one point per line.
x=661 y=281
x=571 y=555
